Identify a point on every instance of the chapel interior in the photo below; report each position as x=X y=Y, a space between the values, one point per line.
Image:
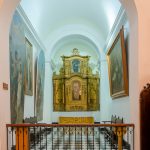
x=57 y=29
x=60 y=63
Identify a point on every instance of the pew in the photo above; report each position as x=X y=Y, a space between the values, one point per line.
x=109 y=133
x=35 y=135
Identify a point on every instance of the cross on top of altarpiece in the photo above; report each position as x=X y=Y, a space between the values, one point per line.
x=75 y=51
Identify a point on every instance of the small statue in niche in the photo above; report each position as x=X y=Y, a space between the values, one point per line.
x=76 y=65
x=54 y=73
x=75 y=51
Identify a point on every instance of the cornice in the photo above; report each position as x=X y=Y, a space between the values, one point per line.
x=30 y=27
x=121 y=18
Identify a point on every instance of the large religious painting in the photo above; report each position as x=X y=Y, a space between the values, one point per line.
x=76 y=88
x=29 y=68
x=40 y=79
x=17 y=63
x=118 y=67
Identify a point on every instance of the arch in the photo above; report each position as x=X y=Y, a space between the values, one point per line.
x=6 y=11
x=132 y=14
x=70 y=31
x=83 y=38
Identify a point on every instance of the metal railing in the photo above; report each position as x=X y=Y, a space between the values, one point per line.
x=70 y=137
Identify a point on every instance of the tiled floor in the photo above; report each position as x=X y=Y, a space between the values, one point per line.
x=61 y=140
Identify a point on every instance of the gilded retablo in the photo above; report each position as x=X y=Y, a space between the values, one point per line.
x=76 y=88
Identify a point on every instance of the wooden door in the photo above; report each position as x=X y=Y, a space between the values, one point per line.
x=145 y=118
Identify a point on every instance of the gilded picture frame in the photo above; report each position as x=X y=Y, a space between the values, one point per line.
x=29 y=68
x=117 y=67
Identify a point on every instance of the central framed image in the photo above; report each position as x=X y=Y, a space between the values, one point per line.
x=117 y=66
x=76 y=90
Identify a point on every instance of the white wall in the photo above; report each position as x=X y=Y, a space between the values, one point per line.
x=117 y=106
x=30 y=34
x=29 y=100
x=105 y=99
x=48 y=94
x=6 y=10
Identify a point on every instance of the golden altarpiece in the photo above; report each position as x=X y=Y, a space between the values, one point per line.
x=76 y=88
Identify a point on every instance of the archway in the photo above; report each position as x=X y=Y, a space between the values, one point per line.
x=6 y=13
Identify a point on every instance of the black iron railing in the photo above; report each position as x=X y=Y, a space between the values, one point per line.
x=70 y=137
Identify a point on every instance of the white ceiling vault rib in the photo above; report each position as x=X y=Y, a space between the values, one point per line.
x=120 y=19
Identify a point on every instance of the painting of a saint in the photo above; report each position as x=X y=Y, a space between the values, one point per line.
x=28 y=68
x=17 y=63
x=76 y=90
x=40 y=79
x=118 y=67
x=76 y=66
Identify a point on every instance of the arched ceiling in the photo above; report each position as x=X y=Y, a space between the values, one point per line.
x=49 y=17
x=68 y=43
x=65 y=47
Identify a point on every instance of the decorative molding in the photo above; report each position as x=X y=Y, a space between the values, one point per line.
x=30 y=27
x=121 y=18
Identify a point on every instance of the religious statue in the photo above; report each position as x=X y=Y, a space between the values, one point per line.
x=75 y=65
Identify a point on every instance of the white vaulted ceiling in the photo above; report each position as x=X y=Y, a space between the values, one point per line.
x=54 y=18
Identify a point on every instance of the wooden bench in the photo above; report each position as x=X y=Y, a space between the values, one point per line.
x=33 y=136
x=36 y=133
x=113 y=120
x=31 y=120
x=109 y=133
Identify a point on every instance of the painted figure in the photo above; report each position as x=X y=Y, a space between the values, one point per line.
x=29 y=72
x=17 y=62
x=16 y=67
x=19 y=93
x=76 y=91
x=117 y=75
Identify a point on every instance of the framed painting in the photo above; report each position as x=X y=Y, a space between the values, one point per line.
x=29 y=68
x=17 y=67
x=40 y=78
x=117 y=66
